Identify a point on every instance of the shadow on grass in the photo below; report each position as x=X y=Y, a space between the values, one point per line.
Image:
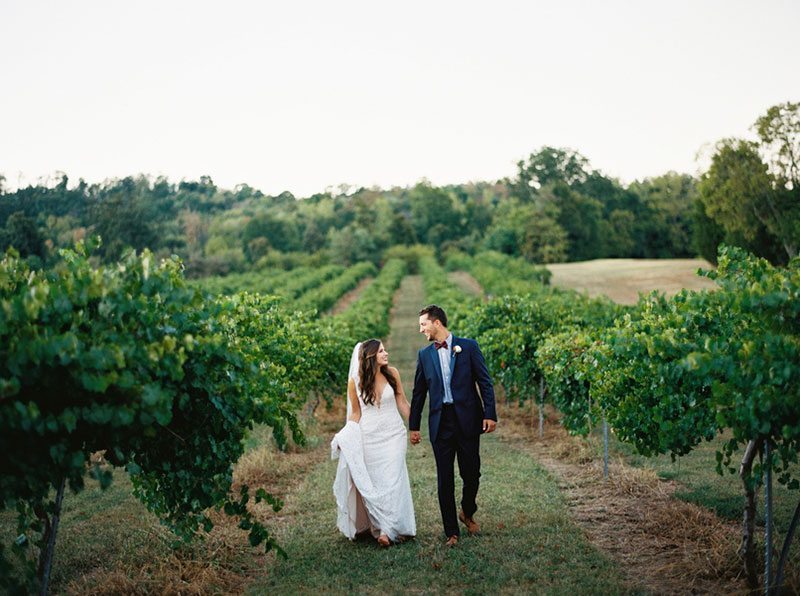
x=726 y=506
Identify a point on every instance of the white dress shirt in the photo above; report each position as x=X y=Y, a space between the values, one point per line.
x=444 y=360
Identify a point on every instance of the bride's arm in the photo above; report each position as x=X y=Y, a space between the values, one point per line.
x=355 y=414
x=402 y=401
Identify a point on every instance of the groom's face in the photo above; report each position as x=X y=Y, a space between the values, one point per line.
x=428 y=328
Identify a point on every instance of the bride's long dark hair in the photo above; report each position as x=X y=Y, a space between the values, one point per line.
x=367 y=370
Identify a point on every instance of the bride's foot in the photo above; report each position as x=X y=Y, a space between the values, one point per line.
x=383 y=540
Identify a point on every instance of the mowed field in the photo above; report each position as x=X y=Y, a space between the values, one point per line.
x=623 y=280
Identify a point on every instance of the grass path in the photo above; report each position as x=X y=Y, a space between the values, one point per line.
x=466 y=282
x=529 y=542
x=350 y=297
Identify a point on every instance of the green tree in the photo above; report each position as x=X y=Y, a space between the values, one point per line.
x=579 y=216
x=740 y=194
x=124 y=217
x=502 y=238
x=528 y=231
x=353 y=244
x=478 y=214
x=313 y=238
x=22 y=233
x=257 y=248
x=753 y=188
x=280 y=231
x=779 y=131
x=433 y=212
x=544 y=240
x=548 y=165
x=708 y=235
x=669 y=200
x=400 y=230
x=620 y=233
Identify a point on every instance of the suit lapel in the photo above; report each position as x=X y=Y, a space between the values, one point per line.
x=437 y=366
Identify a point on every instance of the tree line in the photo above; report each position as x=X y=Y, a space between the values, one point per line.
x=555 y=208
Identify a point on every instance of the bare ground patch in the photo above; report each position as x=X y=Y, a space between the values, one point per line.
x=664 y=545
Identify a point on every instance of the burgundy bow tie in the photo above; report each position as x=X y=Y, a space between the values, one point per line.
x=439 y=345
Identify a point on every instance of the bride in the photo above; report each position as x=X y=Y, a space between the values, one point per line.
x=371 y=487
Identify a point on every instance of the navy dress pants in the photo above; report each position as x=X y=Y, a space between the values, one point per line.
x=451 y=444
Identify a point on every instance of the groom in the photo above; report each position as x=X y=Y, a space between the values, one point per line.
x=449 y=370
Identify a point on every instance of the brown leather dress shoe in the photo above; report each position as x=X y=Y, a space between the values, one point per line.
x=452 y=541
x=473 y=527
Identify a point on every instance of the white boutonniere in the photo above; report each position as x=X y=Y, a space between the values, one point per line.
x=456 y=349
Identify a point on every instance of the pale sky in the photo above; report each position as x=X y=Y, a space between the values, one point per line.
x=300 y=96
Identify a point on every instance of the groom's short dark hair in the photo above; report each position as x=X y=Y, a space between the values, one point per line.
x=435 y=313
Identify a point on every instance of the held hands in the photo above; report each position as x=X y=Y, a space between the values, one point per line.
x=414 y=435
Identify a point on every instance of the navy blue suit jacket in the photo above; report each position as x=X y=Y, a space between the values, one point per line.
x=468 y=369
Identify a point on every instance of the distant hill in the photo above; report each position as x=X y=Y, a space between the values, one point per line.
x=623 y=279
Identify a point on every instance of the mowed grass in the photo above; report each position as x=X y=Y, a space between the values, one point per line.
x=623 y=279
x=528 y=542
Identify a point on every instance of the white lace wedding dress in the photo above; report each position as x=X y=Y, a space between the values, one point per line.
x=372 y=488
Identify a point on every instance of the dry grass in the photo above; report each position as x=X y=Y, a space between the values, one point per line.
x=175 y=575
x=220 y=562
x=623 y=279
x=663 y=544
x=275 y=471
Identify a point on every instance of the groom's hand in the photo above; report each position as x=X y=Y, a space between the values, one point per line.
x=489 y=425
x=414 y=437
